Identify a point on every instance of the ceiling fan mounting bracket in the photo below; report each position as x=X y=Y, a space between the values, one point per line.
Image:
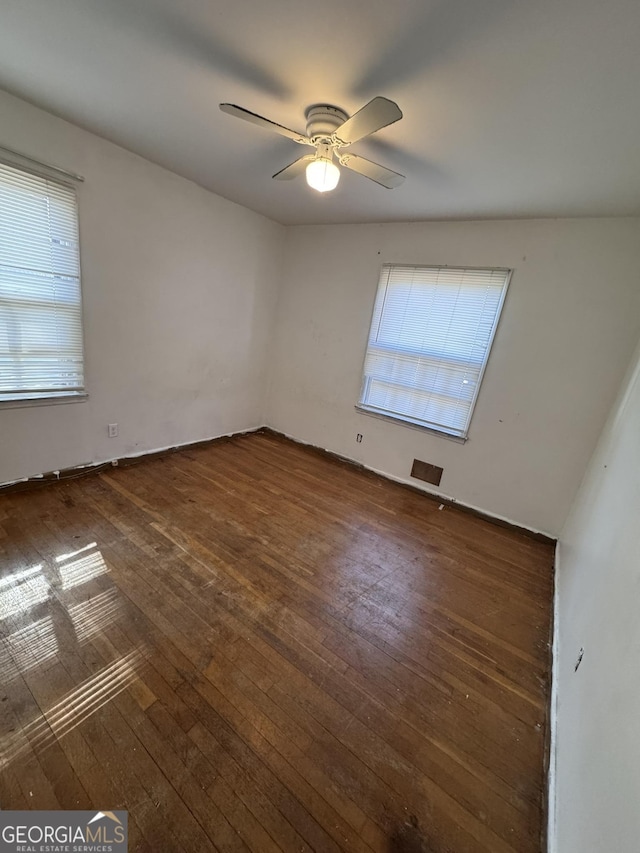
x=322 y=121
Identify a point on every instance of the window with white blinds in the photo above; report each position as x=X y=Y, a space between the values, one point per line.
x=41 y=350
x=430 y=337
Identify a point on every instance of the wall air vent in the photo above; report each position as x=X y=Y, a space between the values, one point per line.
x=427 y=472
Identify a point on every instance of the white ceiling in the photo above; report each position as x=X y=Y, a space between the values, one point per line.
x=512 y=108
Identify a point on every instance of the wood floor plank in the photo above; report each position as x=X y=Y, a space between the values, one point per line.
x=253 y=647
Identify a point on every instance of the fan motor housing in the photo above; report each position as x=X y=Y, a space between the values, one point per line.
x=323 y=120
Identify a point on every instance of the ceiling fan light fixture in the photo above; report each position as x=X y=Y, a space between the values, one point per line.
x=322 y=174
x=329 y=130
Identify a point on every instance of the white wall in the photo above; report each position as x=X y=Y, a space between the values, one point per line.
x=598 y=591
x=179 y=289
x=568 y=328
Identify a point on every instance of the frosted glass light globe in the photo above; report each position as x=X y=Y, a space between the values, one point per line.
x=322 y=175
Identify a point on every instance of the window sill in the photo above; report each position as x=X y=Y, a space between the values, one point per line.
x=42 y=400
x=398 y=420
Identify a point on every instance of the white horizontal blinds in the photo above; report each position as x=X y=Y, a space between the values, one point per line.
x=430 y=336
x=40 y=307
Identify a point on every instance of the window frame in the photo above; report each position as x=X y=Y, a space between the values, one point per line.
x=394 y=417
x=12 y=400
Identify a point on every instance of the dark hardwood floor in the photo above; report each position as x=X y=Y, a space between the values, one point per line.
x=250 y=646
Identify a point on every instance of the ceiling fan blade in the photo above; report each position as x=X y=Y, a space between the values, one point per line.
x=239 y=112
x=380 y=174
x=294 y=169
x=376 y=114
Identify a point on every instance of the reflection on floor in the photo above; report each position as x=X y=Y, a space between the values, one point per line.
x=75 y=707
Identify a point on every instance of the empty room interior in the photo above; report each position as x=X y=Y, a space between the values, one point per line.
x=319 y=417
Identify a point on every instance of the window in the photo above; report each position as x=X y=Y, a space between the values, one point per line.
x=41 y=352
x=430 y=338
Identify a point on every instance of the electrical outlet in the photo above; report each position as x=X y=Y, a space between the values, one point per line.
x=359 y=438
x=113 y=430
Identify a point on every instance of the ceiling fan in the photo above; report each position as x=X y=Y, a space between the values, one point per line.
x=330 y=130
